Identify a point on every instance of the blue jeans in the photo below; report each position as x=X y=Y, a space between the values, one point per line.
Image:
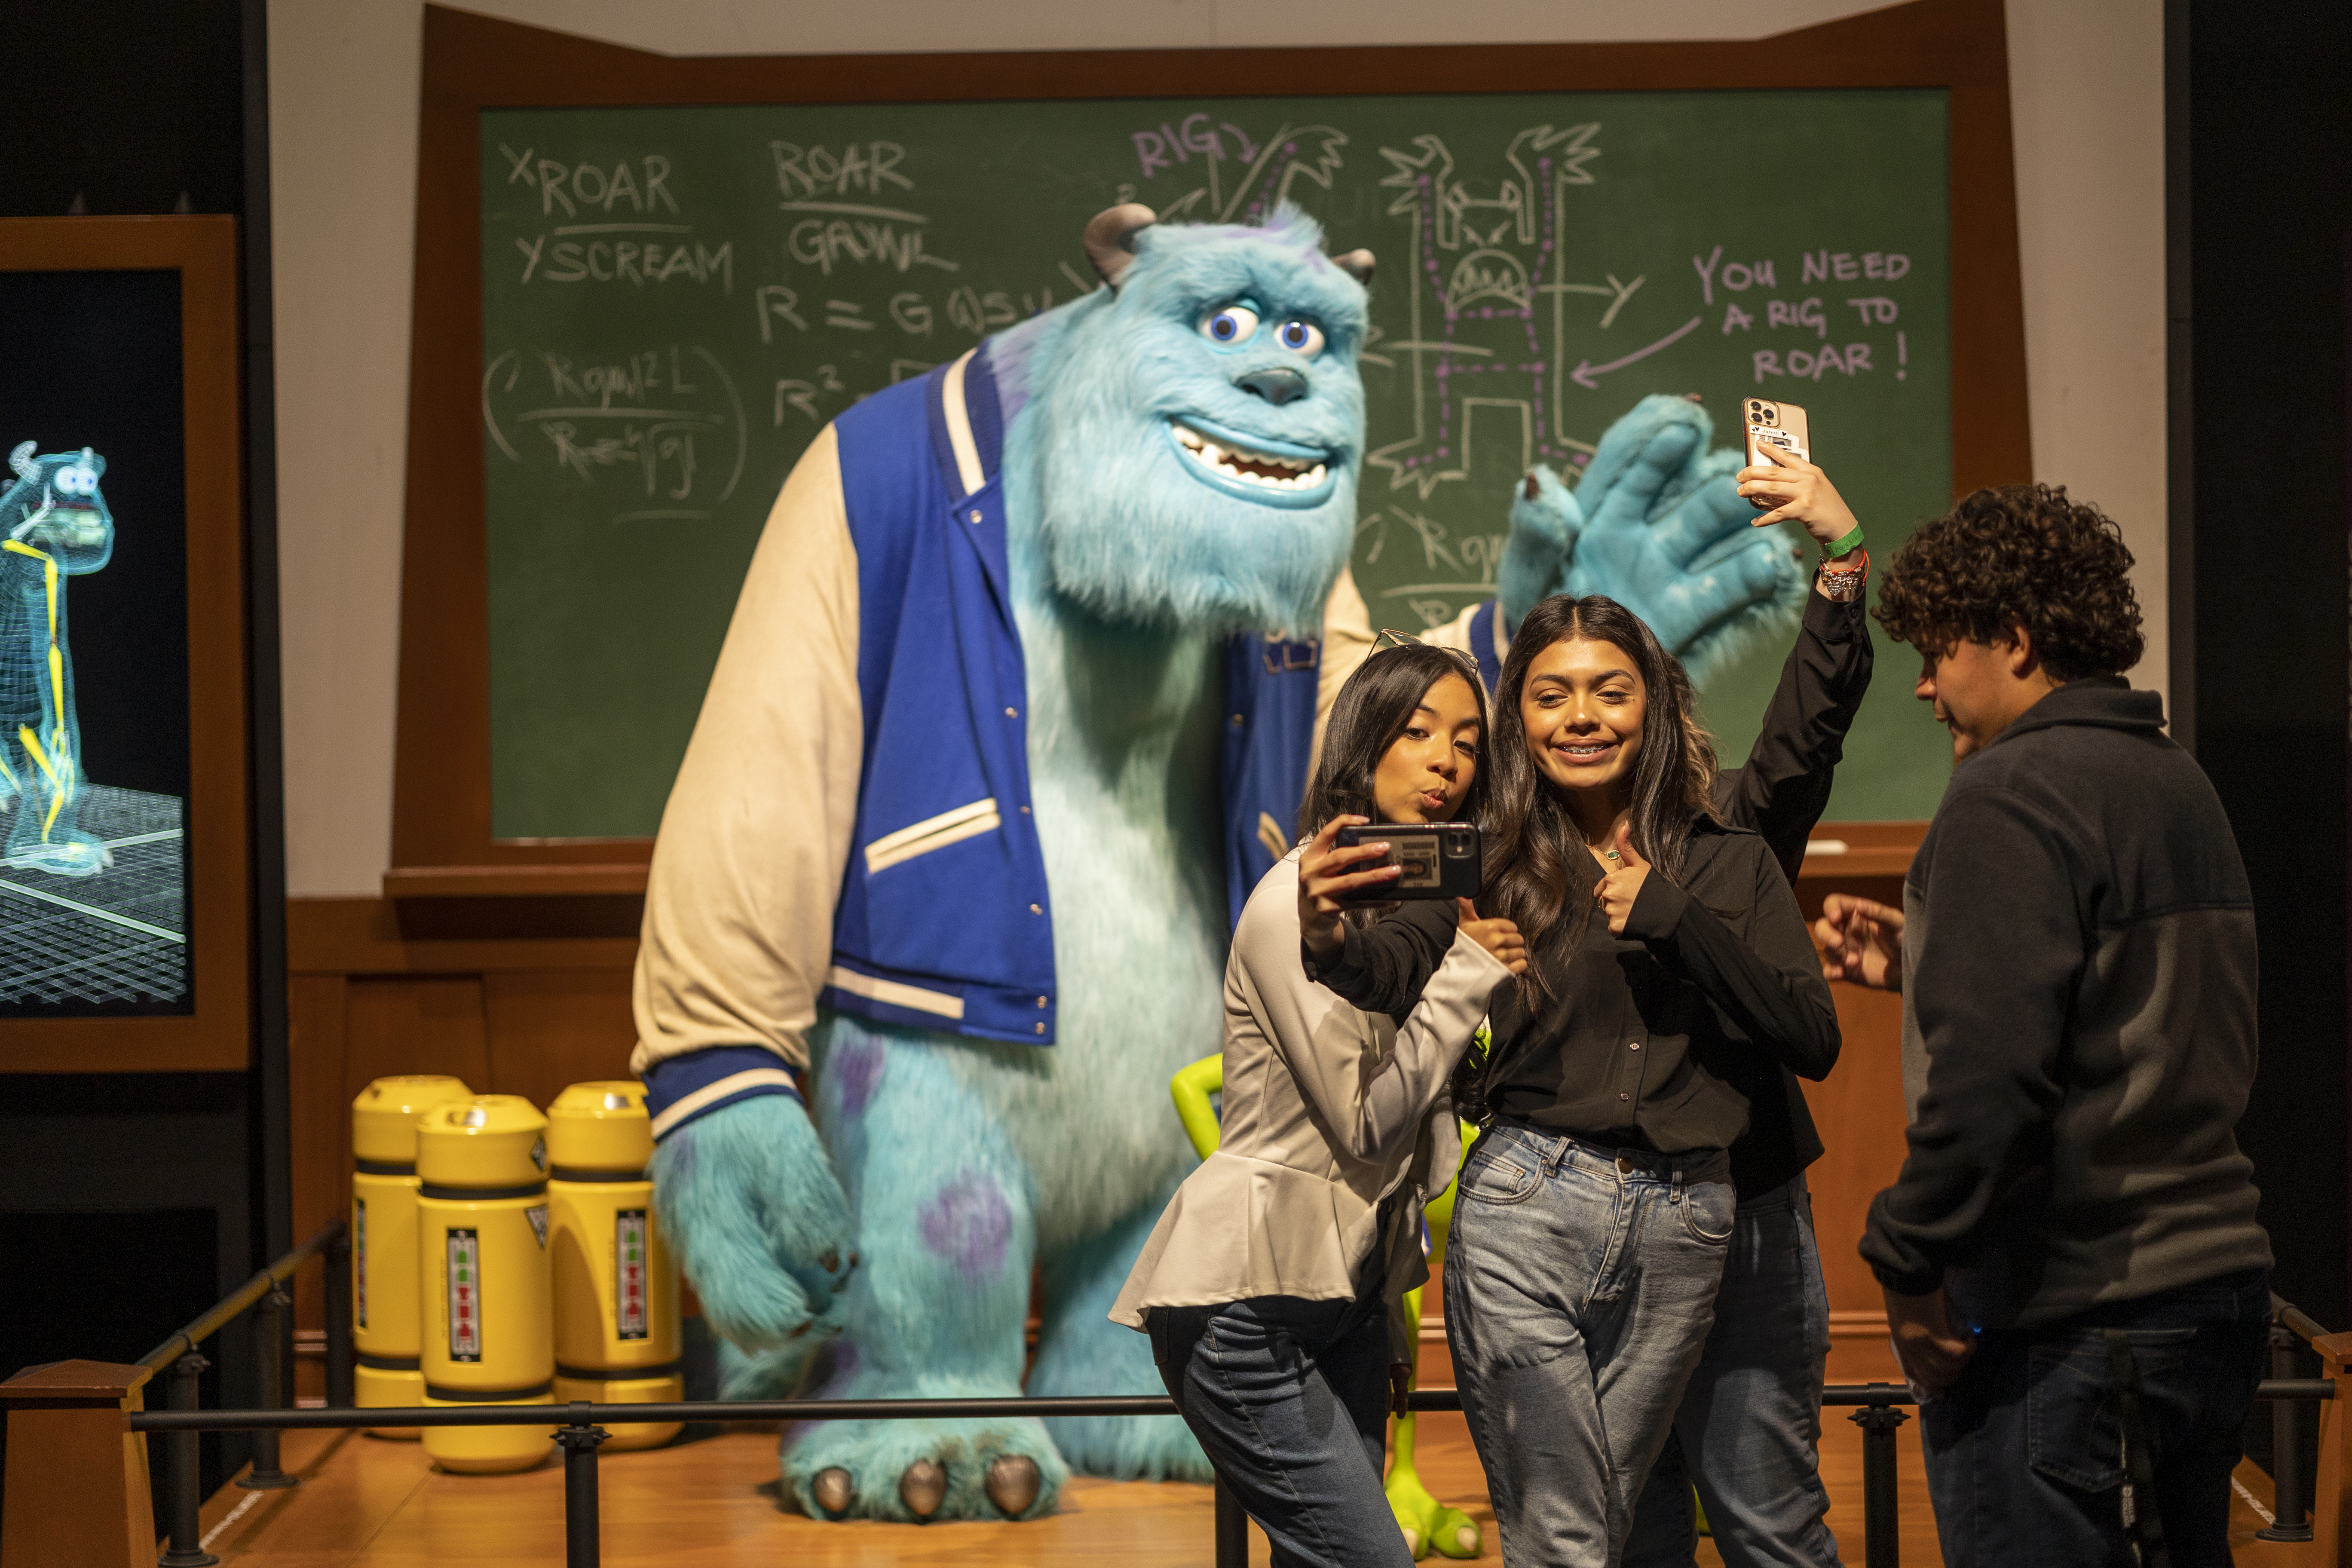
x=1749 y=1428
x=1579 y=1284
x=2024 y=1453
x=1289 y=1399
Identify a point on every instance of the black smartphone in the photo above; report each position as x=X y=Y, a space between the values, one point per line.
x=1440 y=860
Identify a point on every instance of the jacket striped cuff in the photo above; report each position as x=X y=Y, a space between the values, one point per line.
x=683 y=1087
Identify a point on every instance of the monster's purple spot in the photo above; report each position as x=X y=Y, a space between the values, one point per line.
x=967 y=1222
x=859 y=1065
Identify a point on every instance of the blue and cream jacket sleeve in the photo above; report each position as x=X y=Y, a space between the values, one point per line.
x=737 y=932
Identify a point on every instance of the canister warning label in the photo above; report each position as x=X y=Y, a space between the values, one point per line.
x=537 y=1215
x=629 y=1274
x=464 y=1295
x=358 y=1262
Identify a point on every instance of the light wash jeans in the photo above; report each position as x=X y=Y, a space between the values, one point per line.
x=1289 y=1399
x=1751 y=1424
x=1579 y=1284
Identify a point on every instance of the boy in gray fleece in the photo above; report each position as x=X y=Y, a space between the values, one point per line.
x=2073 y=1267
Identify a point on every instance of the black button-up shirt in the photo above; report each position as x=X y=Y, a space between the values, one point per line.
x=1672 y=1037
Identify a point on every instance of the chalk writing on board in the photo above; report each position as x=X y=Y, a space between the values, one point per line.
x=656 y=429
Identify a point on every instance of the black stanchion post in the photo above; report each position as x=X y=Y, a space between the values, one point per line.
x=269 y=1335
x=2290 y=1507
x=338 y=1296
x=181 y=1485
x=1881 y=1540
x=582 y=1545
x=1232 y=1530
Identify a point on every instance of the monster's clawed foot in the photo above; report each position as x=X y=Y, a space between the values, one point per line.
x=1429 y=1524
x=922 y=1471
x=64 y=855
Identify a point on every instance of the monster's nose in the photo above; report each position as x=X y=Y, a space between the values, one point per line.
x=1277 y=386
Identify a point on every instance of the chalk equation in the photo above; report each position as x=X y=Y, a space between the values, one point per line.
x=658 y=435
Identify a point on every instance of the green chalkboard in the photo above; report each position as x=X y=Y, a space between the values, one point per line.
x=675 y=301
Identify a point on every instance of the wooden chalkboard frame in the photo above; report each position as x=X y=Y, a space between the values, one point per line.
x=217 y=1035
x=444 y=858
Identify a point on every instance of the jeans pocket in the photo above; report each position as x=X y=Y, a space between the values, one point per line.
x=1501 y=1171
x=1709 y=1211
x=2073 y=1413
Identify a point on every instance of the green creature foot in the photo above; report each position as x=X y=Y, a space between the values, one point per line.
x=1428 y=1524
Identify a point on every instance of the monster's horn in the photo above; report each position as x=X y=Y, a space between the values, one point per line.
x=1356 y=264
x=21 y=460
x=1111 y=238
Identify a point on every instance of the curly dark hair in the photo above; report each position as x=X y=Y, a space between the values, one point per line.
x=2018 y=556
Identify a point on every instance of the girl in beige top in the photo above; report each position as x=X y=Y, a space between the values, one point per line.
x=1271 y=1285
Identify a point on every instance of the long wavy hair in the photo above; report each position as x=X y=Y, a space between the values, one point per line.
x=1538 y=869
x=1371 y=712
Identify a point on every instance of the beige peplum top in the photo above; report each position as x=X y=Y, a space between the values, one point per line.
x=1327 y=1110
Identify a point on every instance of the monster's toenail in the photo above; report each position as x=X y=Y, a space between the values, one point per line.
x=1412 y=1536
x=833 y=1492
x=923 y=1487
x=1466 y=1538
x=1012 y=1482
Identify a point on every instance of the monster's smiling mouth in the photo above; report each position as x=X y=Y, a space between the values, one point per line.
x=1278 y=473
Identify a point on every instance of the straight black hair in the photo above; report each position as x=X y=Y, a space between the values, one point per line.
x=1372 y=711
x=1538 y=869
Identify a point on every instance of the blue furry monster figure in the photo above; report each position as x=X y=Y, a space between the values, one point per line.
x=54 y=524
x=1016 y=706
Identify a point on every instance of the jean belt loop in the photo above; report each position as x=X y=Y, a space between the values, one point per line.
x=1676 y=1196
x=1562 y=1146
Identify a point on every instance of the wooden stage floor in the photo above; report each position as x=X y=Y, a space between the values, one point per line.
x=365 y=1503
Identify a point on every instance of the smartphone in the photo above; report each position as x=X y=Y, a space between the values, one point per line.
x=1440 y=860
x=1771 y=424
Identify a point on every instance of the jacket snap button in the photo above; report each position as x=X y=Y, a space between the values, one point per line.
x=1013 y=712
x=1040 y=908
x=975 y=517
x=1041 y=1002
x=1041 y=1028
x=1633 y=1045
x=1621 y=1096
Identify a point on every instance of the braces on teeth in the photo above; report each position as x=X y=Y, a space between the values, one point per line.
x=1298 y=474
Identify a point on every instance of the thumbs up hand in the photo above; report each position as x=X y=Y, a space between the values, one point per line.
x=1622 y=886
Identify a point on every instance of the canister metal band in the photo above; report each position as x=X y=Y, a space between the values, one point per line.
x=386 y=1362
x=479 y=1194
x=573 y=1173
x=487 y=1396
x=386 y=1167
x=622 y=1375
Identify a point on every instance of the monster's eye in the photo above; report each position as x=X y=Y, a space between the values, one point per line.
x=1234 y=324
x=1300 y=337
x=76 y=481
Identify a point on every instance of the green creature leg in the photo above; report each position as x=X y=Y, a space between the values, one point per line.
x=1427 y=1522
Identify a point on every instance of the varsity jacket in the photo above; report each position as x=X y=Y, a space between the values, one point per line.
x=850 y=825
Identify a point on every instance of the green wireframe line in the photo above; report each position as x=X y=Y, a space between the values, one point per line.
x=108 y=915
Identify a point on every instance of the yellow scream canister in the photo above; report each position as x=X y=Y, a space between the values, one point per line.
x=383 y=1239
x=481 y=1237
x=616 y=1313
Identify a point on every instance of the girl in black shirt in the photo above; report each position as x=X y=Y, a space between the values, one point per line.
x=1670 y=980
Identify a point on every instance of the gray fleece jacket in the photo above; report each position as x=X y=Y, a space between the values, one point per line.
x=2078 y=1025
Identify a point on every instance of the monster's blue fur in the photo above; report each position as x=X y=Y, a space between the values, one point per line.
x=1124 y=527
x=1657 y=524
x=962 y=1162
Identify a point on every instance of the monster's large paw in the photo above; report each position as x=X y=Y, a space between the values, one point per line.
x=1546 y=518
x=1666 y=534
x=923 y=1471
x=1130 y=1448
x=751 y=1203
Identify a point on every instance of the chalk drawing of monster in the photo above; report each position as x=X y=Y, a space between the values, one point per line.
x=1022 y=680
x=54 y=524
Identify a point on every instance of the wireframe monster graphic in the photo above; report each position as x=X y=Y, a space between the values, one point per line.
x=54 y=524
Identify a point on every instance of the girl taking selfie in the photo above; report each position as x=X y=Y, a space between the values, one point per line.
x=1270 y=1287
x=1670 y=986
